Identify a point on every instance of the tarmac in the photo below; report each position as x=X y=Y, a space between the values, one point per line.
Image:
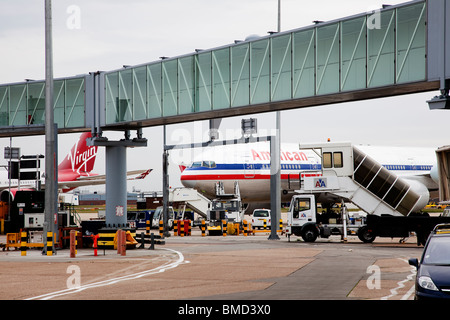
x=217 y=268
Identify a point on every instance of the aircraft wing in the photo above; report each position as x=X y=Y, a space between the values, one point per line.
x=87 y=180
x=100 y=179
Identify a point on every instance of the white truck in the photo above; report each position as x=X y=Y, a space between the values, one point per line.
x=303 y=220
x=393 y=205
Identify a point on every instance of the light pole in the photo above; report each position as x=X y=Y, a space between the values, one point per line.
x=50 y=148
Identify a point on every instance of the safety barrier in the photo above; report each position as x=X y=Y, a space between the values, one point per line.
x=147 y=226
x=203 y=228
x=108 y=238
x=49 y=243
x=73 y=243
x=23 y=244
x=149 y=238
x=182 y=228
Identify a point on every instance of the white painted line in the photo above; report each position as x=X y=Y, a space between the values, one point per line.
x=162 y=268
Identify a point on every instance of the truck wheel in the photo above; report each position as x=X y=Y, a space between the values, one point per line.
x=365 y=235
x=309 y=234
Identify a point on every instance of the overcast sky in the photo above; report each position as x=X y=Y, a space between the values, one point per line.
x=93 y=35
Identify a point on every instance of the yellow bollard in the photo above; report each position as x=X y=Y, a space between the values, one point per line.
x=245 y=228
x=224 y=228
x=49 y=243
x=175 y=228
x=147 y=226
x=203 y=228
x=23 y=244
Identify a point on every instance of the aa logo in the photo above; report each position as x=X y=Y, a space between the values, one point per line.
x=320 y=183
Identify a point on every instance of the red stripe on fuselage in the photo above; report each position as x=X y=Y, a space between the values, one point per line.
x=243 y=176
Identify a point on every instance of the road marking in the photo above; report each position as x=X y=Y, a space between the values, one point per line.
x=162 y=268
x=401 y=284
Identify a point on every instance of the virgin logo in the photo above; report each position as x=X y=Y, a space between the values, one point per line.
x=80 y=160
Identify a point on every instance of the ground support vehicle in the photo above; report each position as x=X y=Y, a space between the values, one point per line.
x=138 y=219
x=261 y=219
x=393 y=205
x=226 y=207
x=304 y=221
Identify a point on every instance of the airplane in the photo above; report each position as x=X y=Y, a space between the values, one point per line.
x=75 y=170
x=250 y=166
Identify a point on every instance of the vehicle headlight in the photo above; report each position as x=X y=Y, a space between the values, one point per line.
x=427 y=283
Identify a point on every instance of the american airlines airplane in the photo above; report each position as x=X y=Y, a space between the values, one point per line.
x=249 y=164
x=75 y=170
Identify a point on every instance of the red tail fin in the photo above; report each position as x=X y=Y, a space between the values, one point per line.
x=81 y=158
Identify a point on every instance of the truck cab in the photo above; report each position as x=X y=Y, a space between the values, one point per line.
x=301 y=218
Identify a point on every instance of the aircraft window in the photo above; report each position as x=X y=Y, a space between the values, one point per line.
x=327 y=160
x=196 y=164
x=209 y=164
x=337 y=159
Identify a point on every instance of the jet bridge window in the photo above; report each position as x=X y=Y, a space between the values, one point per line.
x=332 y=160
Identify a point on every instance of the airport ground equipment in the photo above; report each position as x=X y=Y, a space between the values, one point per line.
x=225 y=207
x=392 y=204
x=191 y=198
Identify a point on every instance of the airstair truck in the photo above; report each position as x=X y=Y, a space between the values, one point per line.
x=392 y=204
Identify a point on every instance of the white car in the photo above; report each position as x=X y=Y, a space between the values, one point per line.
x=258 y=217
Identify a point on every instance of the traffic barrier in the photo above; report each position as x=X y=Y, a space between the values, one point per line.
x=265 y=224
x=245 y=227
x=106 y=239
x=181 y=227
x=161 y=228
x=73 y=243
x=23 y=244
x=175 y=228
x=147 y=226
x=49 y=243
x=281 y=226
x=95 y=244
x=121 y=242
x=203 y=228
x=224 y=228
x=149 y=238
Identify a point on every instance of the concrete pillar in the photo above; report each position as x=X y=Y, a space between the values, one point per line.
x=116 y=186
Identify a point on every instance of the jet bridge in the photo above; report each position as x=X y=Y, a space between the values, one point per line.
x=351 y=175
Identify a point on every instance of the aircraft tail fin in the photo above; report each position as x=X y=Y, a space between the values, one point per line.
x=81 y=157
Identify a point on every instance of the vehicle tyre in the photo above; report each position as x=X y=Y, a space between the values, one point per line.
x=309 y=234
x=365 y=235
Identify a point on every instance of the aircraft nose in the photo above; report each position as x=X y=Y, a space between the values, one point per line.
x=188 y=183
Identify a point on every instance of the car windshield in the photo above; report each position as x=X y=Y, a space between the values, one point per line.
x=437 y=251
x=261 y=213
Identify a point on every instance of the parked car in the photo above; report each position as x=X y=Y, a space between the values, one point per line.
x=433 y=270
x=258 y=217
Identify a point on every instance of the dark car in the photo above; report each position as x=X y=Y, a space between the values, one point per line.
x=433 y=271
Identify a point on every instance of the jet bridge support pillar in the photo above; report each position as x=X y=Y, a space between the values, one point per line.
x=116 y=176
x=116 y=186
